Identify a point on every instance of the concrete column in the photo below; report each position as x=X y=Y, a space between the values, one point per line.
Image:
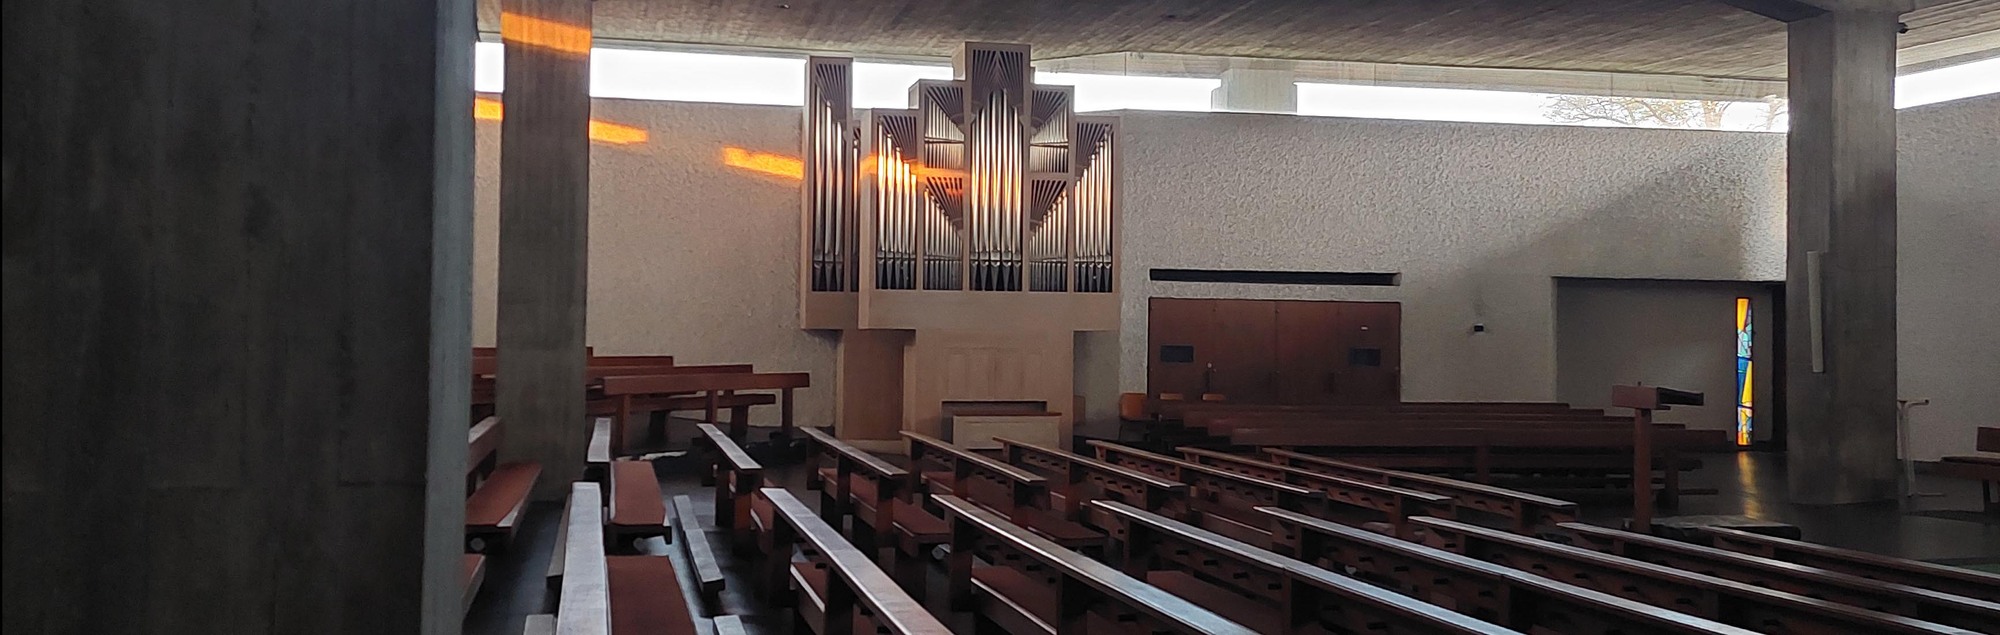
x=236 y=315
x=1256 y=90
x=544 y=237
x=1840 y=280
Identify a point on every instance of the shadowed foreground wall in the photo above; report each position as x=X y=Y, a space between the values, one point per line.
x=695 y=258
x=237 y=255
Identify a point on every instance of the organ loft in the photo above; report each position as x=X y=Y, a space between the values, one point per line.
x=956 y=247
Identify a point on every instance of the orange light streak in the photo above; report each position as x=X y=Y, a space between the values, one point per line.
x=542 y=33
x=773 y=164
x=486 y=109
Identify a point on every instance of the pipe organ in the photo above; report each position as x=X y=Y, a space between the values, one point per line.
x=959 y=244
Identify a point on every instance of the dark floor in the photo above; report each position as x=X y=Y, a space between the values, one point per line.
x=1934 y=528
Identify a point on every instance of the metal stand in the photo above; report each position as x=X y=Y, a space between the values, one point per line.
x=1903 y=408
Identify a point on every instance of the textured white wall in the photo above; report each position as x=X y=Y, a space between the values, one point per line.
x=696 y=259
x=1948 y=271
x=1478 y=219
x=688 y=257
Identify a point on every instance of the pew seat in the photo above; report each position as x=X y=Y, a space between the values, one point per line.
x=812 y=578
x=1015 y=602
x=1224 y=602
x=911 y=521
x=646 y=597
x=493 y=511
x=637 y=509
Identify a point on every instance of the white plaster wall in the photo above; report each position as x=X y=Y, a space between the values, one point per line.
x=1478 y=219
x=1948 y=271
x=688 y=257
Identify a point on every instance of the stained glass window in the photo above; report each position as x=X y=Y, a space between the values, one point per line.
x=1743 y=372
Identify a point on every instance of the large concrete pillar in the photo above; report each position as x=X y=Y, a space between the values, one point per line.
x=237 y=315
x=1840 y=279
x=544 y=236
x=1256 y=90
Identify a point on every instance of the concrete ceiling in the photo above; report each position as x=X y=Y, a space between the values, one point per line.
x=1682 y=37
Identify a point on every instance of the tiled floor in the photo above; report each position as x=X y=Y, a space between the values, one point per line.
x=1750 y=484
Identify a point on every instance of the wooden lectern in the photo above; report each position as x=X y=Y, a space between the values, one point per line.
x=1643 y=400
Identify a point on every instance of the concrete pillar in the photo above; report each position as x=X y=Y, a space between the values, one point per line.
x=237 y=320
x=1840 y=280
x=1256 y=90
x=544 y=237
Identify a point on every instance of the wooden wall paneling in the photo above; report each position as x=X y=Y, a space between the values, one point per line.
x=544 y=236
x=1309 y=351
x=942 y=366
x=1365 y=376
x=1244 y=350
x=868 y=386
x=1177 y=322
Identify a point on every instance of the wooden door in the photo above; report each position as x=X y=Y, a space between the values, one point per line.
x=1371 y=370
x=1309 y=351
x=1242 y=361
x=1177 y=339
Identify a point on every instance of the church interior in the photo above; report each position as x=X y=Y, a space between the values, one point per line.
x=818 y=317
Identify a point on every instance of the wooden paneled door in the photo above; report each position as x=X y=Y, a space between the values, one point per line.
x=1275 y=351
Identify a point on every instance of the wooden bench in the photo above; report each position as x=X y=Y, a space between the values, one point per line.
x=839 y=590
x=1982 y=468
x=1219 y=501
x=1378 y=503
x=1032 y=585
x=1710 y=597
x=1018 y=495
x=1524 y=513
x=637 y=510
x=1076 y=480
x=1181 y=409
x=1813 y=582
x=717 y=390
x=603 y=595
x=735 y=475
x=700 y=555
x=881 y=498
x=1923 y=575
x=499 y=494
x=1263 y=590
x=1490 y=592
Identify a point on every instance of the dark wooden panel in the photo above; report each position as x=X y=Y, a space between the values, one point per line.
x=1371 y=370
x=1177 y=322
x=1244 y=354
x=1308 y=352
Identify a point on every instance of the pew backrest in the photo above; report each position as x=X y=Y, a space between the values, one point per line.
x=584 y=607
x=615 y=385
x=978 y=477
x=1923 y=575
x=1362 y=606
x=872 y=589
x=1392 y=502
x=1528 y=513
x=1083 y=576
x=482 y=441
x=1103 y=479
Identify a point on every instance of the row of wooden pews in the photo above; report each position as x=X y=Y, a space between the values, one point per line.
x=1984 y=467
x=627 y=386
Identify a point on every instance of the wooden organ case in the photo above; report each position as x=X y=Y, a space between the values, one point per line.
x=957 y=246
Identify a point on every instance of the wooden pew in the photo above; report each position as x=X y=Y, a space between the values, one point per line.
x=1483 y=590
x=1726 y=601
x=1033 y=585
x=735 y=476
x=637 y=510
x=1875 y=595
x=882 y=500
x=1982 y=468
x=597 y=454
x=1171 y=410
x=715 y=388
x=1524 y=513
x=499 y=494
x=1076 y=480
x=700 y=555
x=1923 y=575
x=622 y=595
x=1220 y=501
x=1018 y=495
x=1379 y=503
x=1265 y=591
x=839 y=589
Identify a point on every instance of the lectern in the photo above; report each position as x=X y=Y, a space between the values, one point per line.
x=1643 y=400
